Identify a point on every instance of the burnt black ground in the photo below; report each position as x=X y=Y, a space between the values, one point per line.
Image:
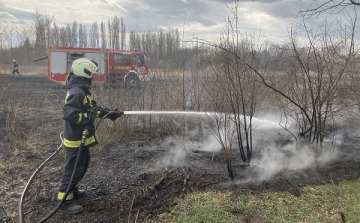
x=131 y=180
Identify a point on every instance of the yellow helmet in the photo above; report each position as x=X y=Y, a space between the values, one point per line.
x=84 y=67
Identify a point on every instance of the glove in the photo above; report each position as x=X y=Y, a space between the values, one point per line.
x=103 y=111
x=89 y=125
x=114 y=114
x=92 y=110
x=91 y=118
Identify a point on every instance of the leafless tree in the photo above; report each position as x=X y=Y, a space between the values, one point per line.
x=321 y=67
x=327 y=6
x=94 y=35
x=7 y=44
x=69 y=35
x=64 y=37
x=148 y=42
x=42 y=23
x=74 y=34
x=169 y=45
x=222 y=129
x=27 y=50
x=15 y=43
x=134 y=41
x=161 y=46
x=238 y=82
x=85 y=37
x=115 y=33
x=233 y=90
x=110 y=32
x=55 y=35
x=103 y=35
x=123 y=33
x=82 y=36
x=312 y=77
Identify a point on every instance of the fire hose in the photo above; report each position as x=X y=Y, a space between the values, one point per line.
x=79 y=153
x=84 y=135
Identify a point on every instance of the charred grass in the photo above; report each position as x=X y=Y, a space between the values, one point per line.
x=127 y=182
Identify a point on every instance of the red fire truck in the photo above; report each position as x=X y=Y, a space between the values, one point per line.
x=129 y=67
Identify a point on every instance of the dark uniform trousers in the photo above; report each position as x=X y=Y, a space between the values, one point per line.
x=70 y=159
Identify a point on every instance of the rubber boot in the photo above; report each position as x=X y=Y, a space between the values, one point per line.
x=79 y=193
x=69 y=207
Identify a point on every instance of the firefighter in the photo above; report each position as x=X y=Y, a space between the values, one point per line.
x=79 y=113
x=15 y=69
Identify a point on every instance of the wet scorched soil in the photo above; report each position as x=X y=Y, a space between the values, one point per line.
x=138 y=179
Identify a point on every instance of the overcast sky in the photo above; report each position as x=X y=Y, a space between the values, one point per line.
x=267 y=19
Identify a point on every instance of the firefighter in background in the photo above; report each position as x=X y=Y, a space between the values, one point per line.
x=79 y=113
x=15 y=69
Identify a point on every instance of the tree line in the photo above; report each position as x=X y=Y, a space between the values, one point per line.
x=31 y=42
x=312 y=84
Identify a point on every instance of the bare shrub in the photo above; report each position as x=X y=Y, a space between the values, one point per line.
x=114 y=96
x=313 y=80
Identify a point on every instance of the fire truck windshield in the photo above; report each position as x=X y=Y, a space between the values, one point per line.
x=127 y=59
x=139 y=59
x=118 y=58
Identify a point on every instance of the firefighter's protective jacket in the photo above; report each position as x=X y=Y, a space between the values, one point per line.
x=75 y=113
x=16 y=66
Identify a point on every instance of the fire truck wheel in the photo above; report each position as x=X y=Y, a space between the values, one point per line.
x=132 y=80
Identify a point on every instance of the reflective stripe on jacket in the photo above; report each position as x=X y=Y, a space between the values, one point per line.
x=75 y=114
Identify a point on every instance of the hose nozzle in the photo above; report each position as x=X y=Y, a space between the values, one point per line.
x=85 y=133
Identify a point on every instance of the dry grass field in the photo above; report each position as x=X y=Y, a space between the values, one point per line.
x=138 y=176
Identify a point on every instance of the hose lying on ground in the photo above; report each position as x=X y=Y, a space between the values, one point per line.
x=71 y=179
x=21 y=220
x=32 y=177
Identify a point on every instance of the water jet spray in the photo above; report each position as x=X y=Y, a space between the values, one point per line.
x=196 y=113
x=165 y=113
x=58 y=149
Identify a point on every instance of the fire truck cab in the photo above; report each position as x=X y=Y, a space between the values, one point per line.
x=128 y=67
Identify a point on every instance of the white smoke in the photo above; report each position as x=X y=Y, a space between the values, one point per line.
x=178 y=151
x=275 y=150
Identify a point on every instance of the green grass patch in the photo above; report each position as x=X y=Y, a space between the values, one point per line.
x=325 y=203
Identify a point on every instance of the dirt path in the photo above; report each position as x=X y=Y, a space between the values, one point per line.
x=137 y=180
